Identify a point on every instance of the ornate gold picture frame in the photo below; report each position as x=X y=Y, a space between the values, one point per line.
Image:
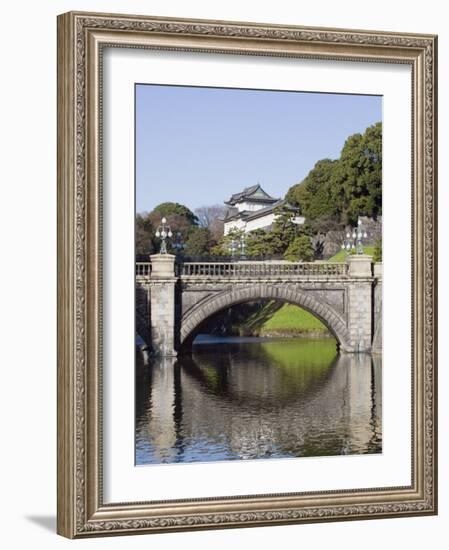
x=82 y=40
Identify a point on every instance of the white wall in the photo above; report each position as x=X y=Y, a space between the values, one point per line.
x=251 y=225
x=28 y=300
x=260 y=223
x=234 y=224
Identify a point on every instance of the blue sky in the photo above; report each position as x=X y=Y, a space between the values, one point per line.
x=197 y=146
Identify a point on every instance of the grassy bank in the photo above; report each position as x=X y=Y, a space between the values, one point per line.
x=340 y=257
x=274 y=319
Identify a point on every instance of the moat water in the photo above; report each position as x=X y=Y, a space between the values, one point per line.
x=254 y=398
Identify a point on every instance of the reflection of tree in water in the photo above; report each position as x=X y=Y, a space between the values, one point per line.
x=363 y=401
x=142 y=388
x=375 y=442
x=285 y=398
x=262 y=374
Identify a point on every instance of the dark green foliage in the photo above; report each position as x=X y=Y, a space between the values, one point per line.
x=357 y=181
x=180 y=219
x=284 y=230
x=313 y=195
x=144 y=235
x=261 y=243
x=198 y=242
x=224 y=246
x=169 y=208
x=300 y=249
x=336 y=192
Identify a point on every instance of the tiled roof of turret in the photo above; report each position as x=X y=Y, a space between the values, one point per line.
x=254 y=193
x=233 y=213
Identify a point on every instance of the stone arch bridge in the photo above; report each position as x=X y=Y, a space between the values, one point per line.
x=174 y=299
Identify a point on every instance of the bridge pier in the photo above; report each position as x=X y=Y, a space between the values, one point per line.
x=162 y=317
x=360 y=303
x=377 y=304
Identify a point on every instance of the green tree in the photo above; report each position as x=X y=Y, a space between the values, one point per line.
x=228 y=242
x=174 y=208
x=284 y=229
x=357 y=180
x=261 y=243
x=198 y=242
x=300 y=249
x=336 y=192
x=144 y=234
x=217 y=250
x=313 y=195
x=180 y=219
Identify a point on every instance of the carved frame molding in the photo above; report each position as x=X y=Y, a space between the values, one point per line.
x=81 y=38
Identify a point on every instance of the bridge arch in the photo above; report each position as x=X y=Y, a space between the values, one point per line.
x=217 y=302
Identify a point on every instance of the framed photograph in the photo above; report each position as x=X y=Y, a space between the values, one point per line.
x=246 y=274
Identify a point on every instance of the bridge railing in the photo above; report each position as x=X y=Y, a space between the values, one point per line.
x=260 y=269
x=250 y=269
x=143 y=269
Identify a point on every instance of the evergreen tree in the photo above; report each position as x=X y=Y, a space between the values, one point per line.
x=313 y=195
x=357 y=180
x=198 y=242
x=144 y=235
x=166 y=209
x=337 y=192
x=300 y=249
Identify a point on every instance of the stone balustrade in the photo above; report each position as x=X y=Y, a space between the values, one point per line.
x=256 y=269
x=143 y=269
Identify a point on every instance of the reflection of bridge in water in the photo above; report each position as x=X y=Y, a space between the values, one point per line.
x=174 y=300
x=262 y=400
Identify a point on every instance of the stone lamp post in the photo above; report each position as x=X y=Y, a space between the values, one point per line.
x=163 y=280
x=163 y=232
